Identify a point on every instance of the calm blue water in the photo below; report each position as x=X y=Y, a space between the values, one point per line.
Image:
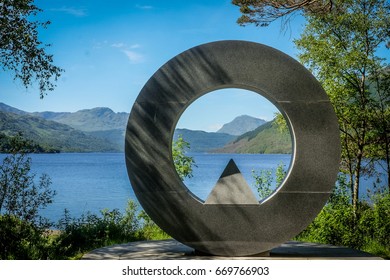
x=94 y=181
x=210 y=167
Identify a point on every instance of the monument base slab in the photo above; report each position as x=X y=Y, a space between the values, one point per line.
x=171 y=249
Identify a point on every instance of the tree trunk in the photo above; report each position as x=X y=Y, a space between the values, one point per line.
x=387 y=154
x=355 y=191
x=388 y=169
x=356 y=184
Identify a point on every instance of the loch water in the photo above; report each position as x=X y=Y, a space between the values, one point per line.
x=90 y=182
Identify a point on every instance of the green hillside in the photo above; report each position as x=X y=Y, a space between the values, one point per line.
x=89 y=120
x=114 y=136
x=7 y=145
x=266 y=139
x=52 y=135
x=203 y=142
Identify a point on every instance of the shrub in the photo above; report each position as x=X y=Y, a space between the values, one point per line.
x=21 y=197
x=92 y=231
x=368 y=228
x=21 y=240
x=264 y=180
x=149 y=230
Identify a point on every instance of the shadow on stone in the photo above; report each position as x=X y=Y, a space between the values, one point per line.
x=172 y=249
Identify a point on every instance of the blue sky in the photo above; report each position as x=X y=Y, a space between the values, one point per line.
x=109 y=49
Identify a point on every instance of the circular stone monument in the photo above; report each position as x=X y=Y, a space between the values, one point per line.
x=223 y=225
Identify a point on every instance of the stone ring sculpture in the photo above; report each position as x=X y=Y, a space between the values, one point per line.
x=238 y=228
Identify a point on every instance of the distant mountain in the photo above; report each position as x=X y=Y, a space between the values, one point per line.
x=101 y=130
x=266 y=139
x=241 y=125
x=201 y=141
x=114 y=136
x=96 y=119
x=8 y=109
x=99 y=122
x=51 y=135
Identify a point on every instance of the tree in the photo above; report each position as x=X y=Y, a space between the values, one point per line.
x=263 y=12
x=264 y=179
x=21 y=198
x=182 y=162
x=381 y=152
x=341 y=50
x=20 y=49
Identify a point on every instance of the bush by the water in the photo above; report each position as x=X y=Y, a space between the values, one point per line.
x=22 y=240
x=367 y=228
x=75 y=236
x=91 y=231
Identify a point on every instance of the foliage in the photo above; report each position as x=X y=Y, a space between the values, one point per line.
x=182 y=162
x=149 y=230
x=281 y=123
x=7 y=144
x=80 y=235
x=280 y=173
x=367 y=229
x=263 y=12
x=380 y=219
x=335 y=224
x=340 y=49
x=20 y=239
x=20 y=49
x=263 y=183
x=21 y=197
x=264 y=179
x=91 y=231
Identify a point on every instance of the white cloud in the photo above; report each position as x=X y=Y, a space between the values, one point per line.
x=77 y=12
x=118 y=45
x=144 y=7
x=133 y=56
x=135 y=46
x=121 y=45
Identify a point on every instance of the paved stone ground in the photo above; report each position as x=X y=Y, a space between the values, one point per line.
x=171 y=249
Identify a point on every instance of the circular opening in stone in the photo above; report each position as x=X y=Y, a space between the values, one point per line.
x=232 y=124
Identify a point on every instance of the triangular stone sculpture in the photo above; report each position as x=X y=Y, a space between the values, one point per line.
x=231 y=188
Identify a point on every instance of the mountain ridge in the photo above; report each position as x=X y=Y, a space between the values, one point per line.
x=88 y=120
x=50 y=134
x=241 y=124
x=100 y=129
